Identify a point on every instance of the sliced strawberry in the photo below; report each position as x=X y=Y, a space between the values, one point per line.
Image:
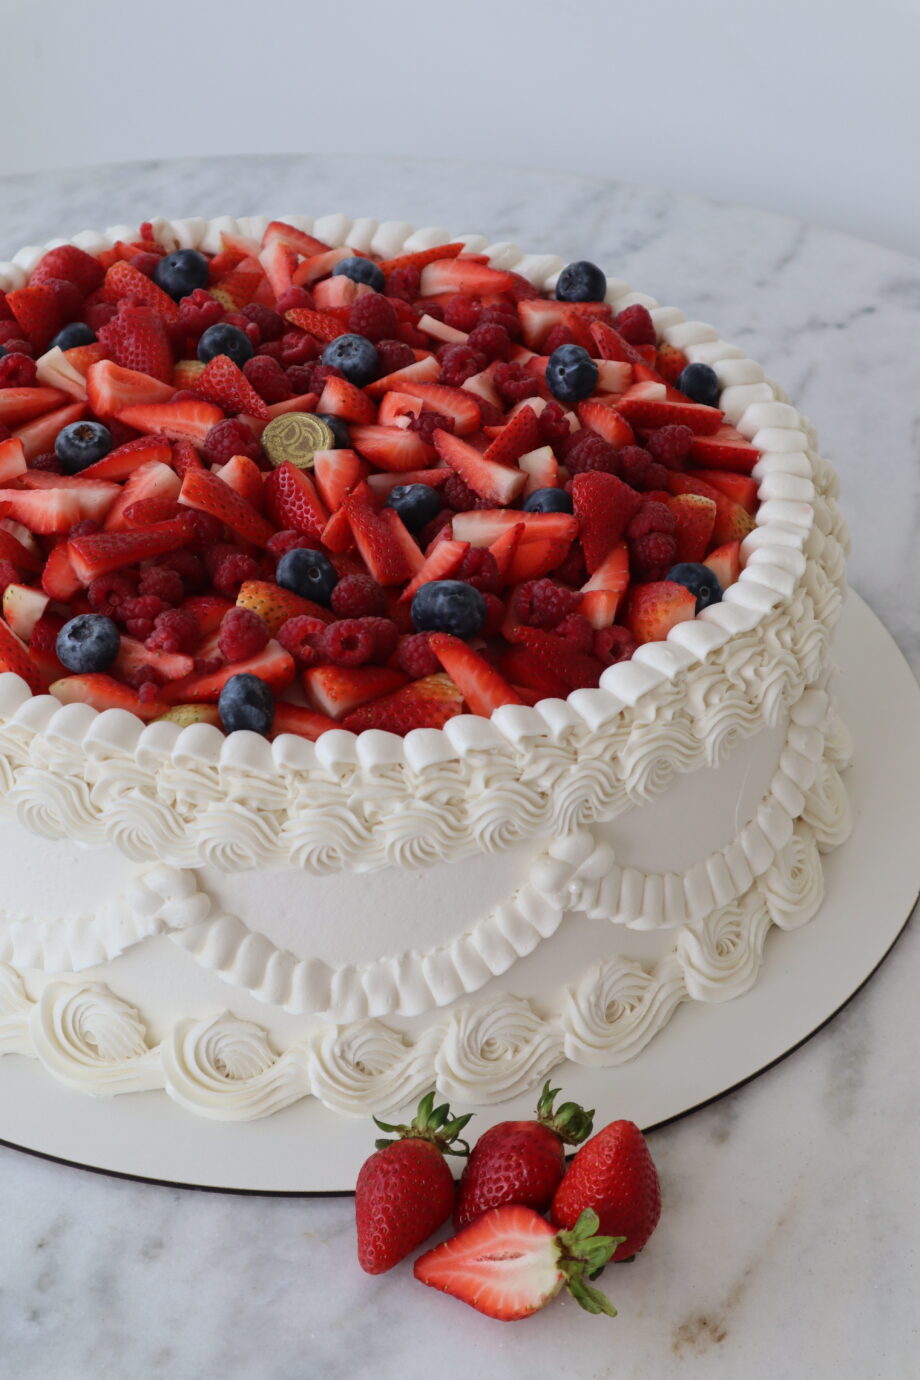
x=423 y=257
x=23 y=606
x=740 y=488
x=496 y=483
x=123 y=461
x=48 y=511
x=541 y=548
x=223 y=383
x=109 y=388
x=527 y=669
x=337 y=292
x=520 y=435
x=293 y=718
x=138 y=338
x=55 y=370
x=133 y=656
x=611 y=345
x=732 y=522
x=207 y=610
x=694 y=517
x=14 y=656
x=292 y=502
x=298 y=240
x=541 y=468
x=150 y=482
x=106 y=551
x=105 y=692
x=180 y=421
x=654 y=609
x=483 y=689
x=19 y=547
x=146 y=511
x=613 y=572
x=338 y=690
x=576 y=670
x=725 y=563
x=503 y=549
x=124 y=280
x=240 y=286
x=464 y=275
x=273 y=665
x=38 y=437
x=383 y=483
x=541 y=314
x=391 y=447
x=398 y=409
x=425 y=703
x=450 y=402
x=304 y=402
x=41 y=310
x=12 y=460
x=275 y=605
x=725 y=449
x=319 y=265
x=643 y=406
x=424 y=370
x=185 y=457
x=483 y=526
x=604 y=506
x=386 y=546
x=19 y=405
x=323 y=325
x=245 y=478
x=440 y=564
x=601 y=418
x=45 y=479
x=206 y=492
x=340 y=398
x=336 y=535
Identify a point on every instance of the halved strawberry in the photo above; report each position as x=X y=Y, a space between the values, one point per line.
x=450 y=402
x=516 y=438
x=464 y=275
x=41 y=310
x=340 y=398
x=383 y=483
x=601 y=418
x=321 y=324
x=340 y=291
x=732 y=522
x=12 y=460
x=694 y=517
x=319 y=265
x=56 y=371
x=133 y=455
x=305 y=723
x=19 y=405
x=47 y=511
x=223 y=383
x=611 y=577
x=336 y=535
x=423 y=257
x=14 y=656
x=425 y=703
x=725 y=449
x=391 y=447
x=207 y=610
x=105 y=692
x=386 y=546
x=23 y=606
x=576 y=670
x=425 y=370
x=483 y=688
x=180 y=421
x=245 y=478
x=105 y=551
x=185 y=457
x=124 y=280
x=109 y=388
x=643 y=406
x=133 y=656
x=604 y=506
x=541 y=468
x=206 y=492
x=138 y=338
x=338 y=690
x=483 y=526
x=611 y=345
x=146 y=511
x=740 y=488
x=152 y=480
x=275 y=605
x=654 y=609
x=398 y=409
x=725 y=563
x=38 y=436
x=443 y=559
x=19 y=547
x=503 y=549
x=298 y=240
x=240 y=286
x=292 y=502
x=496 y=483
x=540 y=314
x=273 y=665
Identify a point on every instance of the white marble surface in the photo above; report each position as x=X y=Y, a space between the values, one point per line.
x=788 y=1241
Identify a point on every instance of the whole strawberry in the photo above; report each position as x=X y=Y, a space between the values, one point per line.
x=613 y=1175
x=405 y=1191
x=521 y=1161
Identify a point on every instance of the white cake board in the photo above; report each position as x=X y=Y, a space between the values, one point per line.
x=872 y=884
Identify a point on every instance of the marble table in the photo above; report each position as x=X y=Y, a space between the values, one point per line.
x=788 y=1241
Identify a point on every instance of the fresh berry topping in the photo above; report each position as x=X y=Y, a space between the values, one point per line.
x=670 y=446
x=571 y=373
x=650 y=556
x=197 y=312
x=699 y=579
x=588 y=451
x=548 y=501
x=174 y=630
x=361 y=270
x=228 y=438
x=479 y=568
x=448 y=606
x=636 y=326
x=613 y=644
x=358 y=596
x=459 y=363
x=355 y=357
x=416 y=504
x=87 y=643
x=233 y=571
x=373 y=317
x=77 y=333
x=81 y=444
x=17 y=370
x=73 y=265
x=650 y=517
x=299 y=636
x=415 y=657
x=513 y=383
x=543 y=603
x=181 y=272
x=161 y=581
x=491 y=339
x=243 y=634
x=700 y=383
x=348 y=642
x=309 y=574
x=462 y=312
x=247 y=702
x=393 y=355
x=225 y=340
x=581 y=282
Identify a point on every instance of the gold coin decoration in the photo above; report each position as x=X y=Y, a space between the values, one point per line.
x=295 y=437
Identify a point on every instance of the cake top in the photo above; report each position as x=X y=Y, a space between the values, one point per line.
x=283 y=484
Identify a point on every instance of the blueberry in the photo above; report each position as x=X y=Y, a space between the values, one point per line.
x=700 y=580
x=548 y=501
x=416 y=504
x=77 y=333
x=225 y=340
x=3 y=351
x=246 y=702
x=361 y=271
x=339 y=429
x=449 y=606
x=355 y=357
x=307 y=573
x=581 y=282
x=700 y=383
x=82 y=444
x=181 y=272
x=571 y=373
x=89 y=642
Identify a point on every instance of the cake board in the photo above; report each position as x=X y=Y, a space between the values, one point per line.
x=703 y=1053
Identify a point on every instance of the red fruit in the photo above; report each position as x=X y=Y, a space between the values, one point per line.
x=510 y=1263
x=275 y=605
x=372 y=315
x=126 y=459
x=725 y=449
x=604 y=506
x=59 y=579
x=38 y=437
x=575 y=670
x=208 y=611
x=732 y=522
x=273 y=665
x=229 y=437
x=740 y=488
x=19 y=405
x=13 y=548
x=137 y=338
x=222 y=382
x=42 y=309
x=422 y=258
x=208 y=493
x=12 y=460
x=292 y=718
x=17 y=371
x=425 y=703
x=463 y=275
x=520 y=435
x=725 y=563
x=655 y=608
x=322 y=325
x=495 y=483
x=73 y=265
x=293 y=503
x=339 y=690
x=540 y=315
x=245 y=478
x=670 y=363
x=298 y=240
x=441 y=563
x=543 y=603
x=386 y=546
x=337 y=472
x=424 y=370
x=483 y=689
x=123 y=280
x=109 y=388
x=49 y=511
x=606 y=422
x=613 y=1175
x=455 y=403
x=340 y=398
x=528 y=671
x=391 y=448
x=694 y=517
x=636 y=325
x=405 y=1191
x=503 y=549
x=97 y=555
x=602 y=593
x=133 y=656
x=153 y=482
x=644 y=406
x=179 y=421
x=105 y=692
x=243 y=634
x=14 y=656
x=521 y=1161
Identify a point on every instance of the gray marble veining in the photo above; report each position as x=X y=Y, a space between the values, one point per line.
x=788 y=1241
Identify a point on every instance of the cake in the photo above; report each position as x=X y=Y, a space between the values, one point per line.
x=482 y=848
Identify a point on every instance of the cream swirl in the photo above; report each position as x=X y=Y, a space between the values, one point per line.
x=793 y=888
x=616 y=1009
x=225 y=1069
x=93 y=1041
x=495 y=1051
x=721 y=955
x=368 y=1068
x=15 y=1009
x=827 y=808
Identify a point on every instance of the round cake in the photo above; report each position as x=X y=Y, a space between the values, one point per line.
x=415 y=664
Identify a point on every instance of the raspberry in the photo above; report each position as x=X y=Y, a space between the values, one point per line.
x=166 y=584
x=613 y=644
x=491 y=340
x=427 y=423
x=290 y=300
x=187 y=566
x=10 y=331
x=656 y=477
x=410 y=335
x=499 y=315
x=495 y=616
x=431 y=529
x=109 y=594
x=299 y=348
x=651 y=556
x=651 y=517
x=174 y=630
x=576 y=630
x=229 y=438
x=553 y=425
x=5 y=432
x=232 y=572
x=358 y=596
x=521 y=290
x=140 y=678
x=372 y=316
x=459 y=496
x=670 y=446
x=242 y=635
x=298 y=635
x=385 y=634
x=99 y=315
x=573 y=571
x=197 y=312
x=17 y=371
x=404 y=283
x=271 y=325
x=393 y=355
x=272 y=349
x=206 y=530
x=559 y=335
x=479 y=569
x=268 y=379
x=514 y=383
x=588 y=451
x=636 y=326
x=9 y=575
x=634 y=465
x=489 y=414
x=87 y=528
x=415 y=657
x=140 y=615
x=289 y=540
x=462 y=312
x=348 y=643
x=300 y=378
x=429 y=306
x=459 y=363
x=243 y=323
x=543 y=603
x=68 y=299
x=319 y=373
x=207 y=665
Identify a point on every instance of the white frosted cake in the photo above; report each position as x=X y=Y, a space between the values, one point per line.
x=244 y=919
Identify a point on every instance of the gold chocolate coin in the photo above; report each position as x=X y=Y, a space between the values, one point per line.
x=295 y=437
